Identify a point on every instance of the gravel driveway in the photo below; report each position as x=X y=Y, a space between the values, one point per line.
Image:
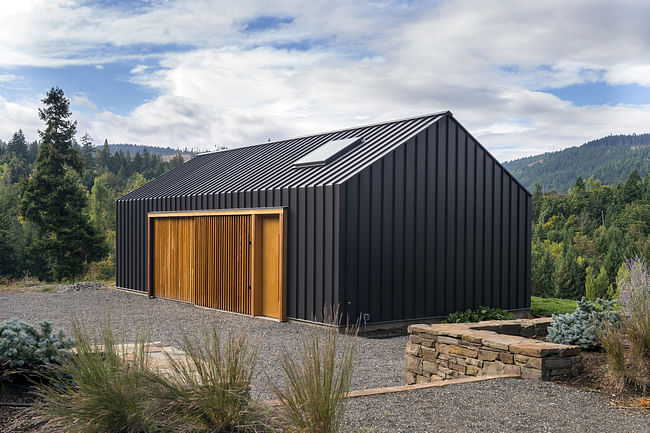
x=379 y=362
x=504 y=405
x=500 y=405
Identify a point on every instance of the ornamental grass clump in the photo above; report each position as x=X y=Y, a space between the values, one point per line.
x=208 y=390
x=101 y=387
x=631 y=365
x=314 y=394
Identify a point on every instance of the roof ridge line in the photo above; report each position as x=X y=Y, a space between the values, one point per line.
x=385 y=122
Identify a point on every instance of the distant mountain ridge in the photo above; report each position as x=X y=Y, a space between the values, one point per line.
x=609 y=159
x=139 y=148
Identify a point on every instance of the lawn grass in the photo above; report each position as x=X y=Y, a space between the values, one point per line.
x=549 y=306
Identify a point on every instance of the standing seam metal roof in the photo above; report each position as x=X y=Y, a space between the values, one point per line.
x=270 y=165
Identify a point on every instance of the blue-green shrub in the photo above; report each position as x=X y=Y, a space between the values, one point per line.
x=581 y=327
x=26 y=348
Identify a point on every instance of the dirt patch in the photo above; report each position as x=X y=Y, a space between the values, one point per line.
x=594 y=377
x=10 y=394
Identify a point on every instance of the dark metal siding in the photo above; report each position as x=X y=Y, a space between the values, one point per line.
x=435 y=226
x=419 y=222
x=311 y=242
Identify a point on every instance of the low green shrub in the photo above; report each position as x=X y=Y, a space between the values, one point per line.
x=103 y=270
x=314 y=395
x=581 y=327
x=26 y=350
x=477 y=315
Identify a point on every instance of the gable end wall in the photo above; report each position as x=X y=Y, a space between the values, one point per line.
x=436 y=226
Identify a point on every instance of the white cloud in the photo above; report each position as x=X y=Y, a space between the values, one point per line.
x=99 y=67
x=82 y=101
x=21 y=114
x=8 y=78
x=139 y=69
x=365 y=62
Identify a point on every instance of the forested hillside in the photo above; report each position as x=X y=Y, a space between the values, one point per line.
x=57 y=198
x=132 y=149
x=581 y=238
x=609 y=159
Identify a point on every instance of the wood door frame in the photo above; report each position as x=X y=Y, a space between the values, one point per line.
x=255 y=244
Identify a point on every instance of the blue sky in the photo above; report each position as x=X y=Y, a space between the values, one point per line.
x=523 y=77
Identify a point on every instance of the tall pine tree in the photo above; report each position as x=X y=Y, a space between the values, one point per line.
x=54 y=200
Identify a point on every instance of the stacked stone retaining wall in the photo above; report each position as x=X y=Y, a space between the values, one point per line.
x=444 y=351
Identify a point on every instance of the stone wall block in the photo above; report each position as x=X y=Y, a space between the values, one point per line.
x=429 y=353
x=429 y=367
x=413 y=364
x=464 y=351
x=447 y=340
x=509 y=328
x=528 y=361
x=507 y=358
x=487 y=355
x=535 y=374
x=512 y=369
x=409 y=377
x=494 y=367
x=553 y=363
x=458 y=367
x=428 y=342
x=413 y=349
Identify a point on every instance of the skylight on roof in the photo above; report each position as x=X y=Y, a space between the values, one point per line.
x=328 y=152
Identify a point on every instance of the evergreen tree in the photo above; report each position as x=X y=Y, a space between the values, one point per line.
x=54 y=200
x=87 y=150
x=632 y=188
x=596 y=286
x=102 y=202
x=18 y=145
x=538 y=198
x=105 y=156
x=32 y=152
x=542 y=271
x=569 y=276
x=613 y=260
x=135 y=182
x=11 y=231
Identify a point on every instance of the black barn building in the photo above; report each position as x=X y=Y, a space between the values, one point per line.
x=402 y=220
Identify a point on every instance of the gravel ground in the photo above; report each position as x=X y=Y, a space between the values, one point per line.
x=500 y=405
x=504 y=405
x=379 y=361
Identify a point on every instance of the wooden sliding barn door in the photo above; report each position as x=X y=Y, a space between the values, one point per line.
x=227 y=261
x=223 y=263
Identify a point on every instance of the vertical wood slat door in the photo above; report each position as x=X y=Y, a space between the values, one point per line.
x=231 y=262
x=223 y=263
x=174 y=264
x=270 y=278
